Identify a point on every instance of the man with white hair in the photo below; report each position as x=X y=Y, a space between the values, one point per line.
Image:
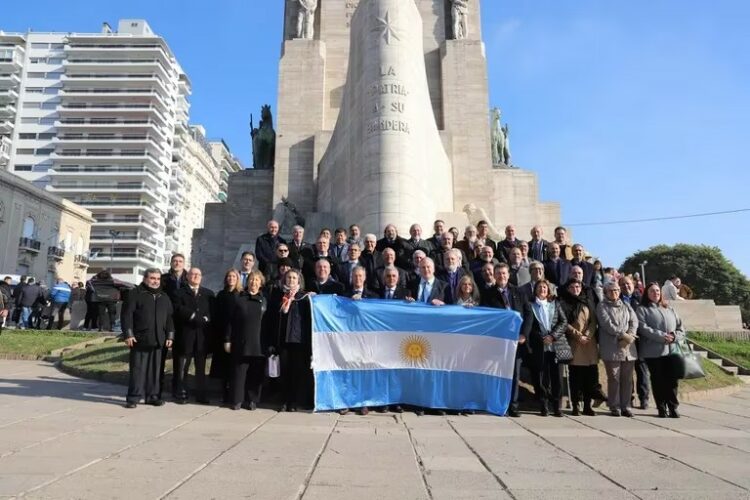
x=370 y=257
x=265 y=245
x=519 y=273
x=486 y=256
x=413 y=274
x=452 y=274
x=389 y=261
x=510 y=242
x=298 y=249
x=670 y=291
x=440 y=255
x=470 y=244
x=538 y=246
x=428 y=289
x=391 y=239
x=414 y=243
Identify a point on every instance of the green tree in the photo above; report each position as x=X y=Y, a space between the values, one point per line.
x=703 y=268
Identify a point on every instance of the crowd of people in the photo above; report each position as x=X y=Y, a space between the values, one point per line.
x=575 y=313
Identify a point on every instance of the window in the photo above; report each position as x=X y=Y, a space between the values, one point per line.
x=52 y=90
x=49 y=105
x=38 y=45
x=54 y=60
x=69 y=241
x=80 y=247
x=27 y=136
x=33 y=90
x=44 y=151
x=56 y=75
x=46 y=121
x=32 y=105
x=29 y=227
x=57 y=46
x=34 y=74
x=22 y=168
x=46 y=136
x=28 y=120
x=25 y=151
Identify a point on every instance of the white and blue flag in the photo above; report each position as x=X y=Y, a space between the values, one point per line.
x=383 y=352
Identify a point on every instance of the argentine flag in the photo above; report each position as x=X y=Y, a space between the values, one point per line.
x=383 y=352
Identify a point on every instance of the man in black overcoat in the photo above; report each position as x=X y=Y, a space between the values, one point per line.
x=193 y=312
x=506 y=296
x=323 y=283
x=148 y=328
x=265 y=245
x=171 y=282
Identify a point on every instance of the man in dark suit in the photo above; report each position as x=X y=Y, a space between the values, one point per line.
x=193 y=308
x=538 y=247
x=358 y=287
x=346 y=268
x=470 y=244
x=323 y=283
x=176 y=278
x=485 y=277
x=440 y=255
x=483 y=235
x=452 y=274
x=588 y=268
x=265 y=245
x=297 y=247
x=556 y=269
x=392 y=289
x=486 y=256
x=438 y=228
x=319 y=252
x=389 y=260
x=561 y=235
x=536 y=270
x=371 y=259
x=340 y=248
x=413 y=273
x=429 y=289
x=506 y=296
x=509 y=243
x=414 y=243
x=391 y=239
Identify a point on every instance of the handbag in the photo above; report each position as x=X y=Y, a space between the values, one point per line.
x=684 y=364
x=563 y=352
x=274 y=367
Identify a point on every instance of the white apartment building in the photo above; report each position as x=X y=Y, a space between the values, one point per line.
x=227 y=162
x=102 y=120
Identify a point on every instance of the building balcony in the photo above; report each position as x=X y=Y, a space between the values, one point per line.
x=7 y=110
x=5 y=144
x=125 y=257
x=143 y=111
x=222 y=196
x=82 y=48
x=56 y=253
x=11 y=60
x=116 y=95
x=129 y=222
x=154 y=81
x=128 y=126
x=9 y=80
x=29 y=245
x=121 y=142
x=81 y=260
x=117 y=66
x=6 y=127
x=8 y=95
x=82 y=158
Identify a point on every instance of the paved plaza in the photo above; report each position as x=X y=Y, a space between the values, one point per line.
x=62 y=437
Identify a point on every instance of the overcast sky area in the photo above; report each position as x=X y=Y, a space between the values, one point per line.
x=625 y=110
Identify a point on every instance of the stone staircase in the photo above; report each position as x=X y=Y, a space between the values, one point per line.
x=726 y=365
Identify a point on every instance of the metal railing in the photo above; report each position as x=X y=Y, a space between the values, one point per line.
x=29 y=244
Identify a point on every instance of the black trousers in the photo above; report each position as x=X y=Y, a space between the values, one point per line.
x=547 y=381
x=298 y=378
x=162 y=367
x=144 y=374
x=515 y=387
x=59 y=310
x=641 y=381
x=583 y=381
x=248 y=373
x=92 y=315
x=107 y=312
x=663 y=383
x=180 y=368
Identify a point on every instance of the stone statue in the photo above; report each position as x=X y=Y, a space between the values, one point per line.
x=306 y=18
x=459 y=16
x=263 y=140
x=288 y=216
x=499 y=139
x=476 y=214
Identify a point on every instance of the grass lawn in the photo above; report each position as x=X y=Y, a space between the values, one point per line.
x=735 y=350
x=37 y=343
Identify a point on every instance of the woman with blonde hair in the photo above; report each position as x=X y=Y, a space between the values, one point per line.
x=220 y=361
x=467 y=293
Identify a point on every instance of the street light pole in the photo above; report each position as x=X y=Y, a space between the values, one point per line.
x=114 y=234
x=643 y=272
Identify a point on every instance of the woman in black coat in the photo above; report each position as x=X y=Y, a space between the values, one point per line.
x=242 y=339
x=544 y=324
x=294 y=338
x=221 y=363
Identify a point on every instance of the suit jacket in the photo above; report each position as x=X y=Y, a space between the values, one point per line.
x=344 y=274
x=451 y=291
x=297 y=253
x=398 y=245
x=308 y=267
x=492 y=297
x=520 y=276
x=366 y=294
x=557 y=271
x=566 y=251
x=265 y=249
x=371 y=261
x=438 y=290
x=399 y=293
x=341 y=254
x=438 y=254
x=330 y=287
x=489 y=242
x=527 y=291
x=411 y=246
x=379 y=273
x=192 y=330
x=543 y=251
x=463 y=245
x=506 y=246
x=535 y=333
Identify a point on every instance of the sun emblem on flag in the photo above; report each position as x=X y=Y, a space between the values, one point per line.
x=415 y=349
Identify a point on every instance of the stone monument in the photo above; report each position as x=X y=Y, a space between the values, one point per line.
x=383 y=116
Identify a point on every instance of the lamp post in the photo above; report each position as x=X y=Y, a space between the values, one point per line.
x=643 y=272
x=114 y=234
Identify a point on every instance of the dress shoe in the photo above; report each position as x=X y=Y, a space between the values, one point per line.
x=662 y=412
x=203 y=401
x=156 y=402
x=441 y=413
x=181 y=401
x=644 y=405
x=419 y=412
x=544 y=411
x=364 y=410
x=614 y=412
x=558 y=413
x=397 y=409
x=252 y=406
x=588 y=411
x=513 y=412
x=673 y=413
x=130 y=404
x=576 y=410
x=626 y=413
x=292 y=409
x=343 y=411
x=382 y=409
x=236 y=406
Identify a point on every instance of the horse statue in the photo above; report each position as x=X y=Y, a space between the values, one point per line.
x=263 y=140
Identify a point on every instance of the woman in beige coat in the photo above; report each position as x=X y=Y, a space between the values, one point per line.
x=617 y=333
x=581 y=331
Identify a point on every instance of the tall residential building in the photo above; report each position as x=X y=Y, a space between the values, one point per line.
x=227 y=162
x=102 y=120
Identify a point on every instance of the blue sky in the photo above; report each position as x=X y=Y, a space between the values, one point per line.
x=626 y=110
